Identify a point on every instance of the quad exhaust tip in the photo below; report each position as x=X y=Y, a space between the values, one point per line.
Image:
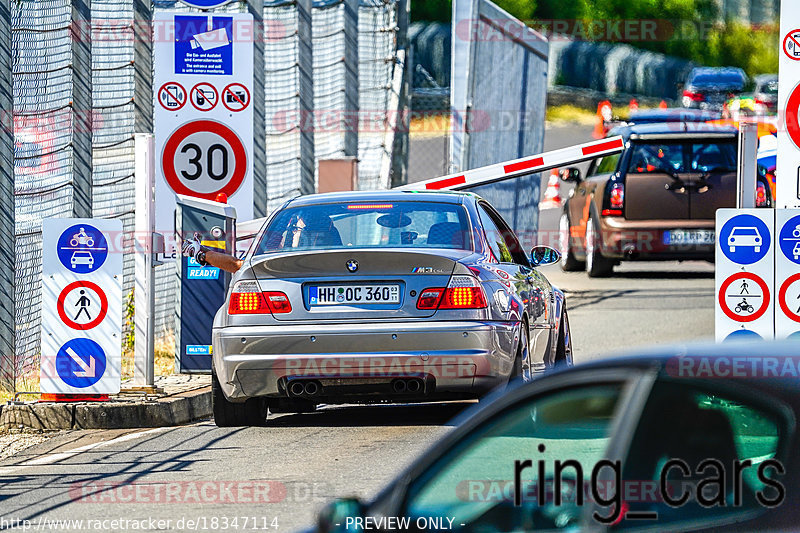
x=304 y=388
x=410 y=386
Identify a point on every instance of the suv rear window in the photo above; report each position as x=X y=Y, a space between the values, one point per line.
x=673 y=157
x=368 y=225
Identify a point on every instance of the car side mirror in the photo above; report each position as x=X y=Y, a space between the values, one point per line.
x=339 y=515
x=569 y=174
x=544 y=255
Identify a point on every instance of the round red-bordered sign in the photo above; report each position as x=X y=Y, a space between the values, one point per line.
x=793 y=117
x=92 y=287
x=239 y=104
x=201 y=96
x=795 y=56
x=167 y=93
x=178 y=136
x=723 y=304
x=782 y=297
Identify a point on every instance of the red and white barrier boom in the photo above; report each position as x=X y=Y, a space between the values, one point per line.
x=520 y=167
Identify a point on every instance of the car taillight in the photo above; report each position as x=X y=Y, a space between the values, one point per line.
x=278 y=302
x=463 y=292
x=694 y=97
x=248 y=299
x=761 y=196
x=615 y=199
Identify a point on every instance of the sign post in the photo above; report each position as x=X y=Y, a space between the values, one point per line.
x=744 y=274
x=203 y=81
x=81 y=306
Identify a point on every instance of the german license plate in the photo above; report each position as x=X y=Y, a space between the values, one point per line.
x=685 y=237
x=353 y=294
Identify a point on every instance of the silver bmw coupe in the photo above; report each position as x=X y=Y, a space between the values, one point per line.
x=384 y=296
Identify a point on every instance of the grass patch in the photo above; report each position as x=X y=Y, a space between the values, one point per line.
x=430 y=125
x=569 y=113
x=164 y=364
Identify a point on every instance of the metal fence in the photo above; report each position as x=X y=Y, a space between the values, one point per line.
x=74 y=80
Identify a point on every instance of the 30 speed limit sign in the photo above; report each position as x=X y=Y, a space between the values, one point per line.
x=203 y=158
x=203 y=115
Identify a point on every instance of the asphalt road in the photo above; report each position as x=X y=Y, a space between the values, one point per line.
x=290 y=468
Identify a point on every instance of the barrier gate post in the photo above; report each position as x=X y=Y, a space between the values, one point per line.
x=201 y=290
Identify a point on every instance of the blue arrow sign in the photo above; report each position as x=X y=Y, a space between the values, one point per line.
x=80 y=363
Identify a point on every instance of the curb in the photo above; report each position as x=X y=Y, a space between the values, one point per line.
x=169 y=411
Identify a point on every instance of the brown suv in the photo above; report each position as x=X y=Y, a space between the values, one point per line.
x=654 y=201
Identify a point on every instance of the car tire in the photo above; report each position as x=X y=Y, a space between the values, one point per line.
x=564 y=346
x=252 y=412
x=568 y=261
x=522 y=358
x=597 y=266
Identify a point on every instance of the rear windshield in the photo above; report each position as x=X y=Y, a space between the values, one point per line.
x=727 y=78
x=683 y=157
x=368 y=225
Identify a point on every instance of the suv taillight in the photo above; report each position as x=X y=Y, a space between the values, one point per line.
x=692 y=96
x=248 y=299
x=761 y=196
x=463 y=292
x=614 y=200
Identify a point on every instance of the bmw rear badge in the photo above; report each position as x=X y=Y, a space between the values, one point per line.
x=352 y=265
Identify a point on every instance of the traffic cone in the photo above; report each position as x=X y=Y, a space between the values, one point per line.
x=604 y=115
x=663 y=105
x=633 y=105
x=552 y=195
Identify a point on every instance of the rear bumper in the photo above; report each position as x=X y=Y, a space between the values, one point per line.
x=353 y=362
x=645 y=239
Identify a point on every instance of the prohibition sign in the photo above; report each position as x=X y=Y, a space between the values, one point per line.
x=782 y=297
x=792 y=118
x=204 y=96
x=87 y=285
x=791 y=45
x=237 y=96
x=172 y=96
x=723 y=304
x=229 y=183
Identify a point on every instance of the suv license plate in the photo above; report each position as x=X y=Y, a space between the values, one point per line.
x=353 y=294
x=686 y=237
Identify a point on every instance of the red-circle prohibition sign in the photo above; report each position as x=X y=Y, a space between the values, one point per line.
x=235 y=97
x=782 y=297
x=197 y=126
x=794 y=43
x=172 y=96
x=723 y=304
x=92 y=287
x=793 y=116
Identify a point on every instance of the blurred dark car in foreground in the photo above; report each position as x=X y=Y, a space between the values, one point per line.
x=711 y=87
x=688 y=438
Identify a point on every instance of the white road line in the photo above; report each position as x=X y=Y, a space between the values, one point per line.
x=60 y=456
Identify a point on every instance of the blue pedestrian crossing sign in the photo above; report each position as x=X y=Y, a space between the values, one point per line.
x=82 y=248
x=745 y=239
x=80 y=363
